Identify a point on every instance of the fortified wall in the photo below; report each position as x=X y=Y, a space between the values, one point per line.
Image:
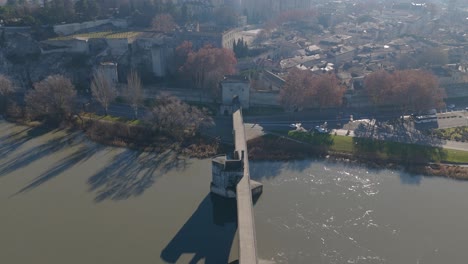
x=68 y=29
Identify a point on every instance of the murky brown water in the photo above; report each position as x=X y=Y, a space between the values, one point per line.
x=64 y=199
x=319 y=212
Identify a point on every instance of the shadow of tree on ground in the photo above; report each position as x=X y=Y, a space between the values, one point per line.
x=132 y=172
x=38 y=152
x=402 y=153
x=208 y=233
x=84 y=153
x=13 y=141
x=397 y=131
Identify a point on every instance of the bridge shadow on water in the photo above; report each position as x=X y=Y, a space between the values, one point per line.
x=208 y=233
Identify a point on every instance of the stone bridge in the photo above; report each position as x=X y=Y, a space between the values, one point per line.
x=231 y=179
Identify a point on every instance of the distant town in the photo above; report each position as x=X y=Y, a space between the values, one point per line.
x=348 y=40
x=142 y=60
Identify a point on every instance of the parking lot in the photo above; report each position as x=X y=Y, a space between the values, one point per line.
x=452 y=119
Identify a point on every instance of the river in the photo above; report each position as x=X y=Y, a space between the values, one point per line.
x=64 y=199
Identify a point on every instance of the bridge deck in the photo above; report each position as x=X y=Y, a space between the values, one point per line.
x=246 y=225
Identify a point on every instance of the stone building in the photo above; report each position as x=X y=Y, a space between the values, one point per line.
x=341 y=54
x=74 y=45
x=270 y=81
x=234 y=86
x=67 y=29
x=216 y=37
x=110 y=71
x=160 y=47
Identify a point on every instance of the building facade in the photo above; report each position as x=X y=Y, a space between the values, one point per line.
x=235 y=89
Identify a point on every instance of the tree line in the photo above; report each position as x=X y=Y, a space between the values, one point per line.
x=203 y=69
x=142 y=12
x=405 y=90
x=29 y=13
x=304 y=89
x=54 y=100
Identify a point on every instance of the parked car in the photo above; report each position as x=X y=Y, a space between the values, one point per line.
x=321 y=130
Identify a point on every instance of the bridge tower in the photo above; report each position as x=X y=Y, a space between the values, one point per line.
x=226 y=174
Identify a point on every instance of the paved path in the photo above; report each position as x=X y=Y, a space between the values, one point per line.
x=245 y=217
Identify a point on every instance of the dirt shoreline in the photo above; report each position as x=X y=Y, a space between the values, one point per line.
x=140 y=138
x=266 y=149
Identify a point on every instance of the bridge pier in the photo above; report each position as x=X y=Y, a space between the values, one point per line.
x=226 y=174
x=256 y=188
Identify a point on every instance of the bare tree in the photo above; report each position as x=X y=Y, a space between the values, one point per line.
x=175 y=118
x=52 y=98
x=414 y=90
x=133 y=92
x=6 y=88
x=304 y=89
x=103 y=89
x=207 y=67
x=164 y=23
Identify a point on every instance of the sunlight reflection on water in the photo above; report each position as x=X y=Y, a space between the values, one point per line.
x=347 y=214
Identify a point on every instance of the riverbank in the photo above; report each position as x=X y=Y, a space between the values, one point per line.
x=413 y=159
x=141 y=137
x=132 y=135
x=390 y=155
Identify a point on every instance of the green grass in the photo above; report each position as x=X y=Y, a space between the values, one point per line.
x=454 y=133
x=114 y=119
x=385 y=150
x=342 y=144
x=102 y=34
x=456 y=156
